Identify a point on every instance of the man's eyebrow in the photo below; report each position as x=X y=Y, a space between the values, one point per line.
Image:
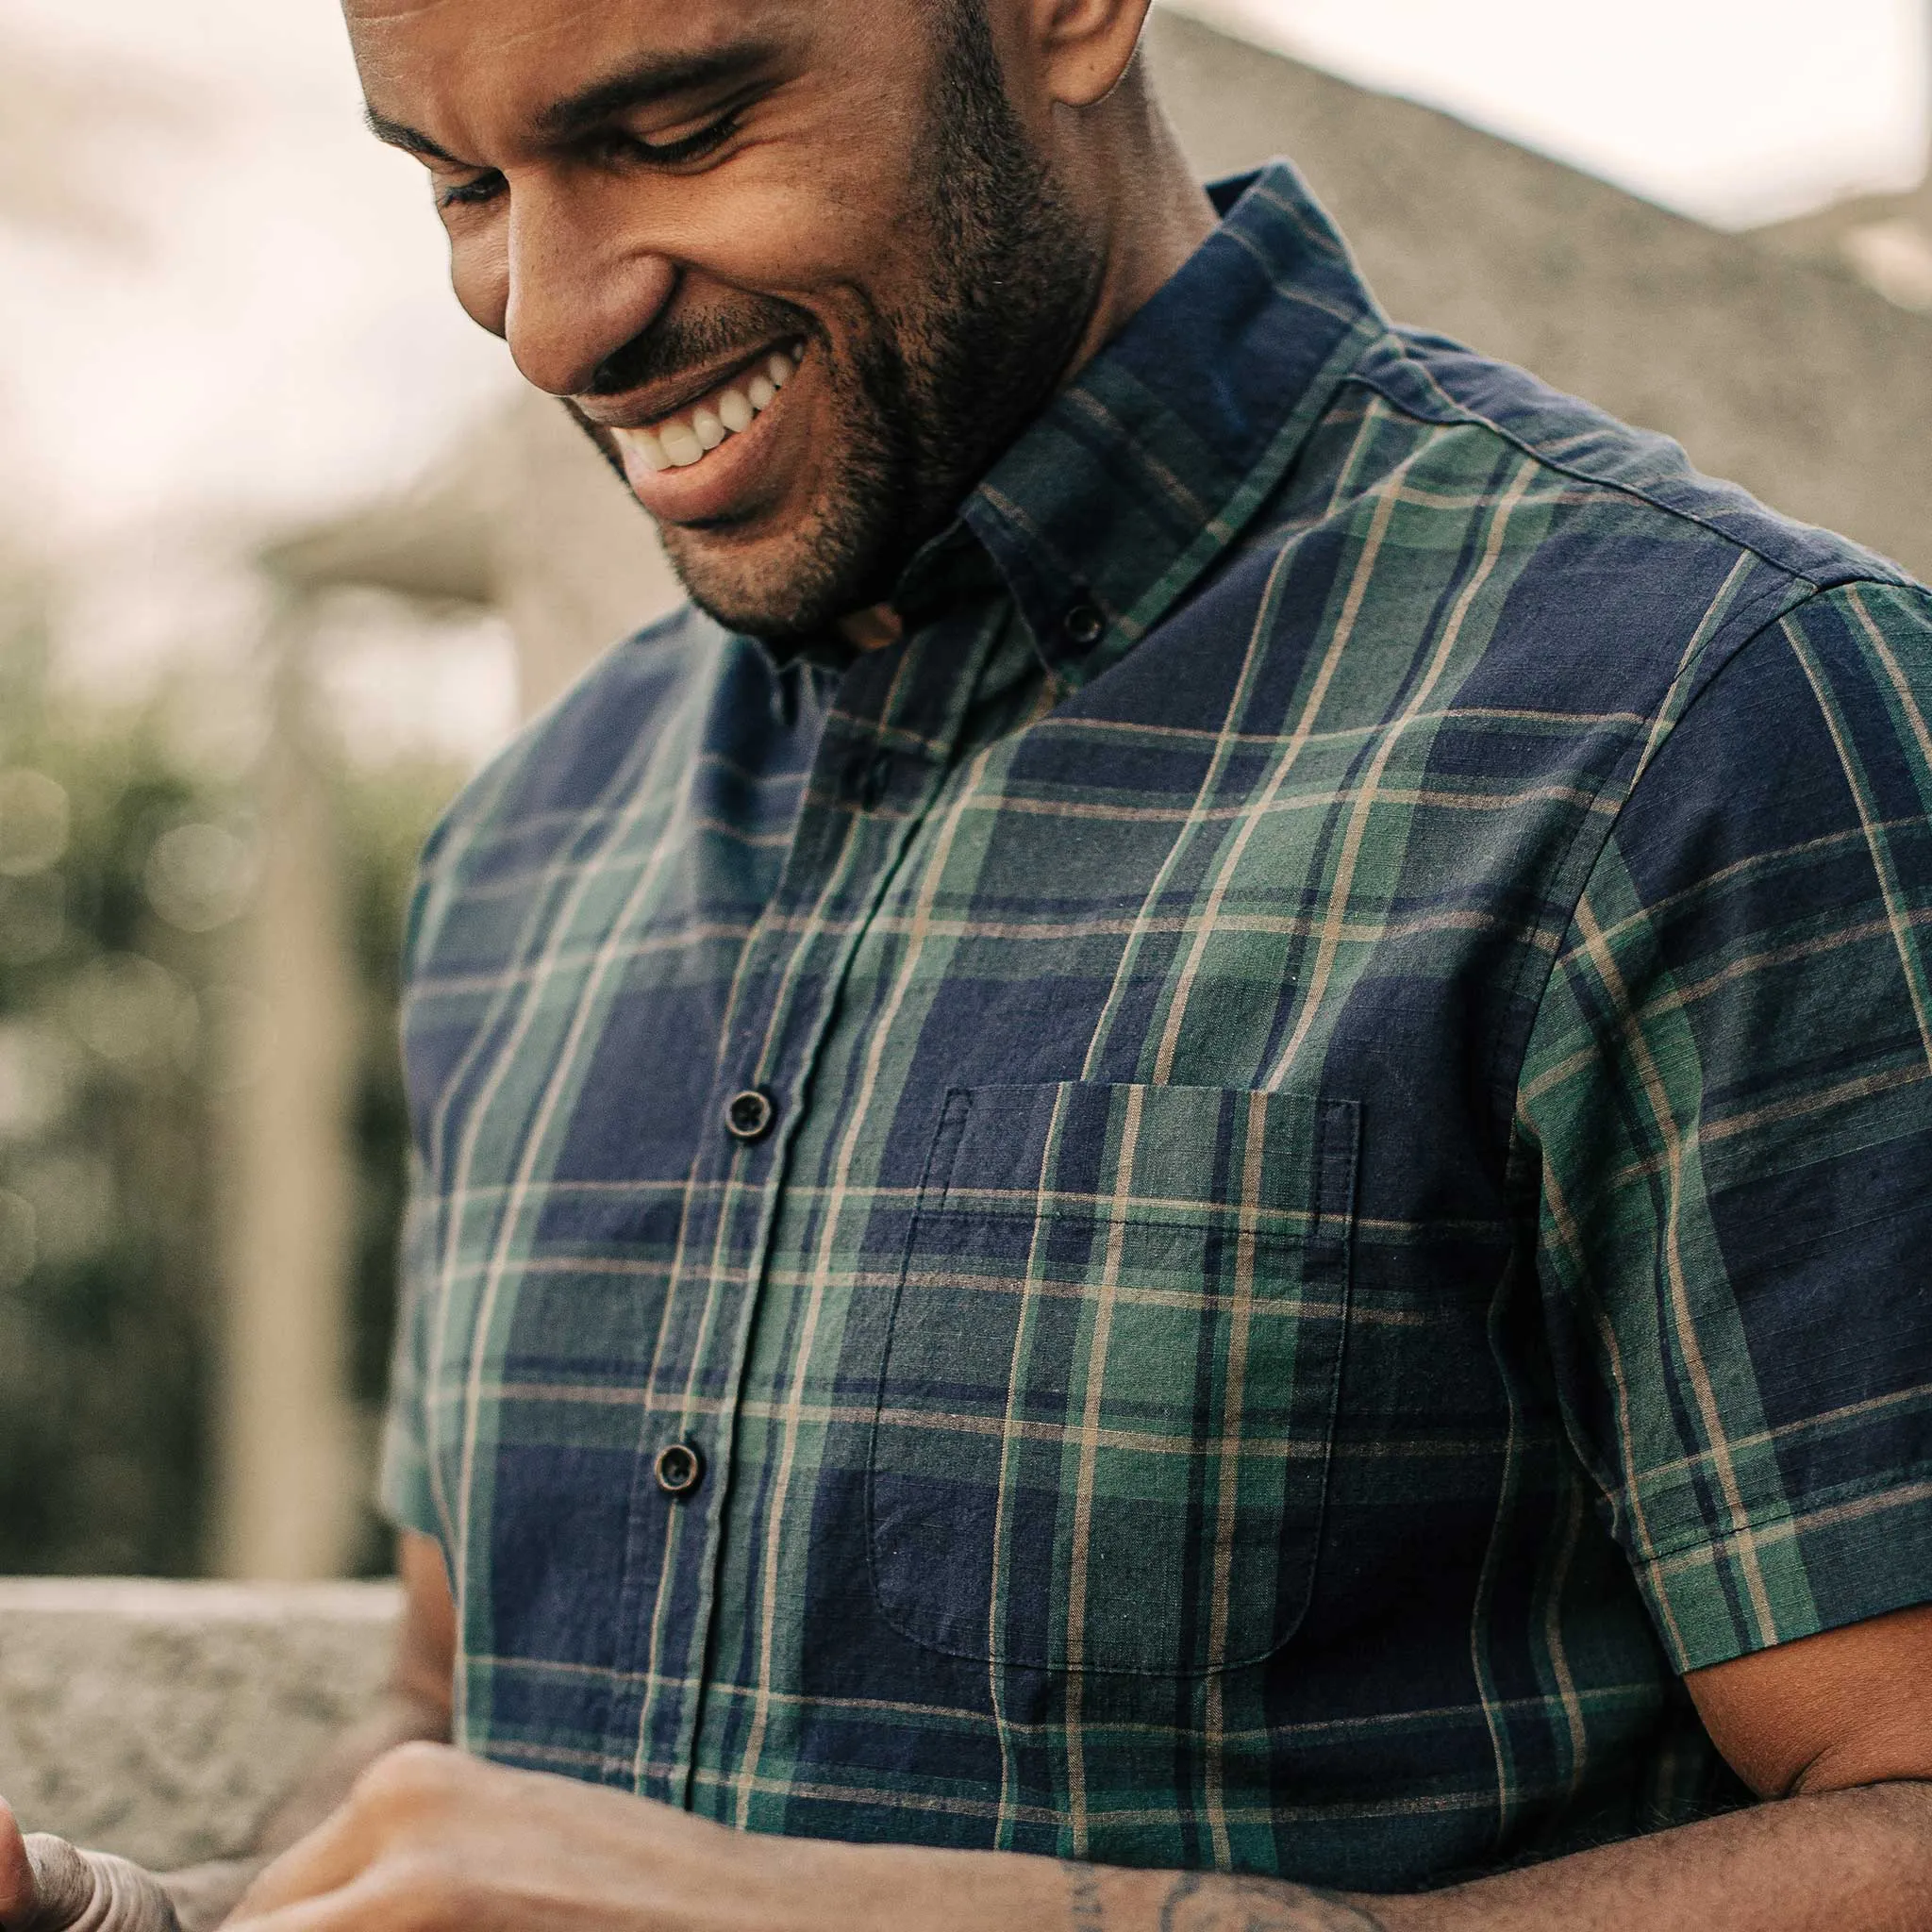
x=398 y=135
x=650 y=81
x=654 y=79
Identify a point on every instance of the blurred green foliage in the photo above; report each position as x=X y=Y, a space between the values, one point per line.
x=125 y=862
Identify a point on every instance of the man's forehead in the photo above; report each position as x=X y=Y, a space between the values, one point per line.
x=419 y=56
x=539 y=19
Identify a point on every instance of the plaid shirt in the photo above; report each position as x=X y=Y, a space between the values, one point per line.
x=1258 y=1181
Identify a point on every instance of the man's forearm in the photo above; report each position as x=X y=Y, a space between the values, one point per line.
x=1852 y=1861
x=204 y=1895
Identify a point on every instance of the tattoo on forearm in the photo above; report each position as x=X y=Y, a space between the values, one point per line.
x=1218 y=1902
x=1085 y=1912
x=1214 y=1901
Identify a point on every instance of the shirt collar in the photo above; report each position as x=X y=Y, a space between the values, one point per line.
x=1137 y=476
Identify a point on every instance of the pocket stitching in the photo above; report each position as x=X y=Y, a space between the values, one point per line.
x=1341 y=1249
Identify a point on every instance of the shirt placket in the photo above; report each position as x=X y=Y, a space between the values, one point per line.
x=889 y=739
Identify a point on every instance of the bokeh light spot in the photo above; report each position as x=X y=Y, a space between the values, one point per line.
x=199 y=876
x=33 y=821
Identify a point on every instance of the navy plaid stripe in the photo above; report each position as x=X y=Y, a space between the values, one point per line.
x=1347 y=1196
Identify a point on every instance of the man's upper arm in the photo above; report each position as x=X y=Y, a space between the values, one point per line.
x=1728 y=1091
x=1849 y=1706
x=425 y=1666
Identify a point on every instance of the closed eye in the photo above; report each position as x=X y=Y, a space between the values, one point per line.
x=467 y=194
x=607 y=146
x=613 y=145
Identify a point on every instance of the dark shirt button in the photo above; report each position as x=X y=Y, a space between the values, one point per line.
x=1084 y=623
x=680 y=1468
x=749 y=1115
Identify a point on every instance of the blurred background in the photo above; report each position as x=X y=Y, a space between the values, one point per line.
x=286 y=553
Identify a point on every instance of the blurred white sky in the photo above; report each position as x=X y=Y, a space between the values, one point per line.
x=287 y=340
x=1739 y=111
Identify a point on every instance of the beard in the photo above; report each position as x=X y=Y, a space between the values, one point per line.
x=925 y=397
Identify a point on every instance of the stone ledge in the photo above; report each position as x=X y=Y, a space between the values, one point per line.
x=161 y=1720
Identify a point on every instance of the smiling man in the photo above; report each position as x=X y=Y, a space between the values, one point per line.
x=855 y=201
x=1178 y=1175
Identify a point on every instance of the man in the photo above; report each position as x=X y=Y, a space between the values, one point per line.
x=1180 y=1179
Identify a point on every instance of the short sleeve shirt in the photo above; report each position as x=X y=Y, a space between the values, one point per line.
x=1219 y=1212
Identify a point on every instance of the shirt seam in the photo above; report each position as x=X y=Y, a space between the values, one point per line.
x=1873 y=568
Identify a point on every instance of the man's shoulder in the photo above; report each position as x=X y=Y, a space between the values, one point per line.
x=1565 y=562
x=1635 y=481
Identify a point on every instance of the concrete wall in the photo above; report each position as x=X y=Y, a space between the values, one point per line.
x=164 y=1719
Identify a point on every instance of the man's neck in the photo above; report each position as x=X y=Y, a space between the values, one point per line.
x=1156 y=215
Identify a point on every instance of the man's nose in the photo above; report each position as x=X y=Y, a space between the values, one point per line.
x=579 y=289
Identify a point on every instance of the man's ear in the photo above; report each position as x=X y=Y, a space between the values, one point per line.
x=1084 y=46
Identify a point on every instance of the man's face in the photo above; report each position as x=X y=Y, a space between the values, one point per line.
x=802 y=268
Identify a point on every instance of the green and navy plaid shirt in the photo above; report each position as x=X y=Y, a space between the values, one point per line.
x=1258 y=1181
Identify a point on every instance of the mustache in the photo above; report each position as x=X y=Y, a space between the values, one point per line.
x=671 y=346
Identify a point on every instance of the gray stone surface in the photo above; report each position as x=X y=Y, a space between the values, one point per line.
x=162 y=1720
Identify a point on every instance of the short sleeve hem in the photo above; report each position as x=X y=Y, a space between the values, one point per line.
x=1855 y=1558
x=403 y=1492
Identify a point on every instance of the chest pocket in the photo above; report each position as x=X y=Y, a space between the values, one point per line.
x=1109 y=1386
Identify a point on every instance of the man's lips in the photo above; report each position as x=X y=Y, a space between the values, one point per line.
x=729 y=395
x=694 y=464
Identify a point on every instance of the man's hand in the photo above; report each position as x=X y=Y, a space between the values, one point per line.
x=48 y=1886
x=430 y=1837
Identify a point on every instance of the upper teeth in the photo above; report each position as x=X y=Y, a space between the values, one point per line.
x=684 y=439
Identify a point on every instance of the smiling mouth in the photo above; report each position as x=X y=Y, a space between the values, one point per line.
x=692 y=432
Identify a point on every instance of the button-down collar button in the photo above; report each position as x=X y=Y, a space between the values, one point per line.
x=1083 y=624
x=679 y=1469
x=748 y=1116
